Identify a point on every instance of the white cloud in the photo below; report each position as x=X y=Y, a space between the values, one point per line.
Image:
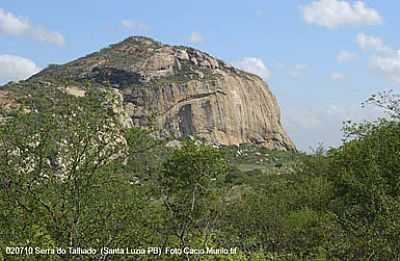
x=254 y=65
x=385 y=59
x=298 y=71
x=279 y=65
x=337 y=76
x=301 y=67
x=15 y=68
x=197 y=38
x=345 y=57
x=295 y=71
x=314 y=124
x=388 y=65
x=334 y=13
x=368 y=42
x=41 y=34
x=135 y=25
x=12 y=25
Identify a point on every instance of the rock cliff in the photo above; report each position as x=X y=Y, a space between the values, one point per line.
x=181 y=91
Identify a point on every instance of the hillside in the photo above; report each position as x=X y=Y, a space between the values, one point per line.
x=178 y=90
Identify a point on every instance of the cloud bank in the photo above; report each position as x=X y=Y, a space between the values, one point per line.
x=12 y=25
x=254 y=65
x=311 y=125
x=15 y=68
x=336 y=76
x=135 y=25
x=335 y=13
x=196 y=38
x=345 y=57
x=384 y=59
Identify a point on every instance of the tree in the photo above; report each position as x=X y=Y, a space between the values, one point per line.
x=191 y=184
x=365 y=172
x=62 y=175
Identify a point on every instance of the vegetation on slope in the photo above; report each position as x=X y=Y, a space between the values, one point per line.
x=71 y=177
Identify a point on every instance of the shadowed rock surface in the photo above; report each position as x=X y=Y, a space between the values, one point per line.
x=179 y=90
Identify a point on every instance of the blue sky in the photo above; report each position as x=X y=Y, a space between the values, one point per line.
x=321 y=58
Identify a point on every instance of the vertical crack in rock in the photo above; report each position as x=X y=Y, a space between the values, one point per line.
x=185 y=91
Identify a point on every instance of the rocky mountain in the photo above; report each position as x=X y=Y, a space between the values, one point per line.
x=179 y=90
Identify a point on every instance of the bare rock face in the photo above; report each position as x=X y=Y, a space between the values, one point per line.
x=181 y=91
x=6 y=100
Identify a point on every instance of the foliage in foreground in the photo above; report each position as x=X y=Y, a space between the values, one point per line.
x=71 y=177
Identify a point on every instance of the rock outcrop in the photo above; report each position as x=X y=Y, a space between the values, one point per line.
x=181 y=91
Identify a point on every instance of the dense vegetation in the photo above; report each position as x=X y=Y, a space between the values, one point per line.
x=71 y=177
